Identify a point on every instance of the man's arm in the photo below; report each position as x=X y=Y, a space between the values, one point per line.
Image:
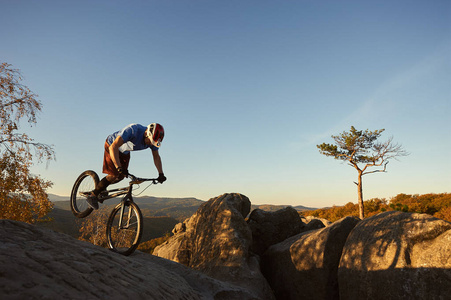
x=114 y=151
x=157 y=161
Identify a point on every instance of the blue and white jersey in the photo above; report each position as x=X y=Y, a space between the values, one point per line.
x=133 y=136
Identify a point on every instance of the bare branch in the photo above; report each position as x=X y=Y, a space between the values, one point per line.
x=384 y=170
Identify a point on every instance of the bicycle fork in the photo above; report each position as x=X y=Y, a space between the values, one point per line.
x=121 y=216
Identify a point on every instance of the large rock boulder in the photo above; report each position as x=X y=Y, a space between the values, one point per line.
x=37 y=263
x=315 y=224
x=269 y=228
x=216 y=241
x=397 y=255
x=310 y=219
x=305 y=266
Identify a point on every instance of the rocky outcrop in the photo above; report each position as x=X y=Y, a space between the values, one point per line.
x=305 y=266
x=388 y=256
x=314 y=224
x=397 y=255
x=37 y=263
x=324 y=260
x=269 y=228
x=309 y=219
x=216 y=240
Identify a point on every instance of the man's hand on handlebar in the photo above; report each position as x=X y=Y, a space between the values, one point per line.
x=161 y=178
x=123 y=172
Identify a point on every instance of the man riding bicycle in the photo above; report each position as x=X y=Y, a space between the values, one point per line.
x=118 y=145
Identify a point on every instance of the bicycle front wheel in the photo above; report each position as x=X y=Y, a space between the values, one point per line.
x=83 y=187
x=124 y=228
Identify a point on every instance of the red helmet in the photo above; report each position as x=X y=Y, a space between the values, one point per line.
x=155 y=132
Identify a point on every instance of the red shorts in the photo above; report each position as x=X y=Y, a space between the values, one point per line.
x=108 y=165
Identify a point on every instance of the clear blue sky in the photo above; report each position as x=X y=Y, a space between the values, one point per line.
x=244 y=89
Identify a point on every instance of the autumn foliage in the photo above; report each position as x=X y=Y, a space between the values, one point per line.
x=150 y=245
x=437 y=205
x=93 y=228
x=23 y=195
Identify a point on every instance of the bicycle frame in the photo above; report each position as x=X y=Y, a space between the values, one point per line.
x=120 y=192
x=128 y=192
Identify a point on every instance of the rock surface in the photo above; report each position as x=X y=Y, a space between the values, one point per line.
x=37 y=263
x=216 y=241
x=309 y=219
x=388 y=256
x=397 y=255
x=314 y=224
x=305 y=266
x=269 y=228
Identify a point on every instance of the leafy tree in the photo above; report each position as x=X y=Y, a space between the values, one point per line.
x=362 y=151
x=22 y=194
x=438 y=205
x=334 y=213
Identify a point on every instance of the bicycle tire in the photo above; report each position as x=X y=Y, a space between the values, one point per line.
x=125 y=240
x=85 y=183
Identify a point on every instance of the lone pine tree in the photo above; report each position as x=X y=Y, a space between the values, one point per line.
x=362 y=151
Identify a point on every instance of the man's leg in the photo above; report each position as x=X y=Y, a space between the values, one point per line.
x=102 y=186
x=112 y=177
x=105 y=182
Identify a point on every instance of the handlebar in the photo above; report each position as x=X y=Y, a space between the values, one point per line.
x=137 y=180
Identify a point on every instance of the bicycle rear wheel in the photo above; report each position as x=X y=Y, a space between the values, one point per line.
x=83 y=187
x=124 y=234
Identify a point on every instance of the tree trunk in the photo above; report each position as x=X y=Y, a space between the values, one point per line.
x=360 y=192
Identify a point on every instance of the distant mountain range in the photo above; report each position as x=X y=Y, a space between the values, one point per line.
x=160 y=214
x=271 y=207
x=177 y=208
x=167 y=206
x=56 y=198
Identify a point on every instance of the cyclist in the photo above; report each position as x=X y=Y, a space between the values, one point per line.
x=118 y=145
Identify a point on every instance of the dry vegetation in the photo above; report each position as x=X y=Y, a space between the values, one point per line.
x=437 y=205
x=150 y=245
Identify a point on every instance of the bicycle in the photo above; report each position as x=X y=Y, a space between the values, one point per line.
x=125 y=223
